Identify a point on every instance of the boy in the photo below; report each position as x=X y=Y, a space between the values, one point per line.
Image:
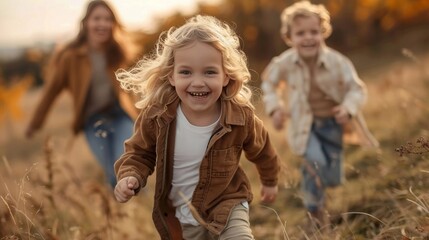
x=325 y=96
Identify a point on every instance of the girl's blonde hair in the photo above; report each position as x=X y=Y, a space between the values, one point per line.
x=304 y=9
x=149 y=78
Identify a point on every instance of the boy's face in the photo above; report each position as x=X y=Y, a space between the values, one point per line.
x=306 y=36
x=199 y=77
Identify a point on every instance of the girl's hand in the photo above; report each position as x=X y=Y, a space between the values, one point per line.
x=124 y=189
x=268 y=194
x=341 y=114
x=279 y=118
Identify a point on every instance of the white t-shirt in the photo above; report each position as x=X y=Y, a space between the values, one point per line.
x=190 y=147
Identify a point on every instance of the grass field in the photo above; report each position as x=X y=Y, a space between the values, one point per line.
x=52 y=188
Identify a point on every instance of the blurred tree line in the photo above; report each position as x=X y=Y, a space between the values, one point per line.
x=356 y=23
x=28 y=65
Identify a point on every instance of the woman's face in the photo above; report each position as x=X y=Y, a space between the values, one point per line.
x=99 y=26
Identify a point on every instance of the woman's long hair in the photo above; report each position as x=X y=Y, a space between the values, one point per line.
x=116 y=52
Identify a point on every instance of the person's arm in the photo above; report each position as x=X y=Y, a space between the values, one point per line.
x=356 y=92
x=271 y=78
x=55 y=83
x=274 y=105
x=139 y=158
x=259 y=150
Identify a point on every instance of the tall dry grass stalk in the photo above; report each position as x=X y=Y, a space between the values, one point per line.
x=18 y=205
x=282 y=226
x=49 y=170
x=53 y=203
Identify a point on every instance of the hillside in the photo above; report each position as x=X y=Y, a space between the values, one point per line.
x=52 y=186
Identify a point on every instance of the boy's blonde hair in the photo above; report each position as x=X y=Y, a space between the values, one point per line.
x=304 y=9
x=149 y=78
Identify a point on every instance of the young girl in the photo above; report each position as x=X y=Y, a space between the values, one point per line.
x=196 y=120
x=325 y=96
x=85 y=67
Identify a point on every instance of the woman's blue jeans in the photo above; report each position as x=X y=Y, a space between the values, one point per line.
x=106 y=133
x=322 y=165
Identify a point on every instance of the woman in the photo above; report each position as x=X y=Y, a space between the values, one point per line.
x=85 y=67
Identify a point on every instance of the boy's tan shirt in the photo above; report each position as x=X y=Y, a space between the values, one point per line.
x=335 y=75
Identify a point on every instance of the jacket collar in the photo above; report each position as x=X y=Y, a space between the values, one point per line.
x=232 y=113
x=322 y=59
x=82 y=50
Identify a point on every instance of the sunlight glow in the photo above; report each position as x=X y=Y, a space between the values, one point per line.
x=25 y=22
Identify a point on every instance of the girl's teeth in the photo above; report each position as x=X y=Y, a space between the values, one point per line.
x=198 y=94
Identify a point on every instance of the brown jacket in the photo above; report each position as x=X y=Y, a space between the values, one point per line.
x=72 y=71
x=222 y=184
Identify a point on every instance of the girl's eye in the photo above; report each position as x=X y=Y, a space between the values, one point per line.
x=184 y=72
x=211 y=72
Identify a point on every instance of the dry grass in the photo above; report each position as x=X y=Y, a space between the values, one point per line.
x=377 y=200
x=52 y=188
x=51 y=201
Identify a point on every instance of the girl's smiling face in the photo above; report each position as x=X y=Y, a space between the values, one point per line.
x=99 y=26
x=306 y=36
x=199 y=77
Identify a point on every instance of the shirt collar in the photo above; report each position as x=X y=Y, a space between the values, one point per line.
x=323 y=57
x=322 y=60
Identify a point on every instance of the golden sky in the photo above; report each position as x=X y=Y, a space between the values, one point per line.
x=25 y=22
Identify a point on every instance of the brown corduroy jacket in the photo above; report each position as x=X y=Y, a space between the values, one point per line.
x=222 y=184
x=72 y=72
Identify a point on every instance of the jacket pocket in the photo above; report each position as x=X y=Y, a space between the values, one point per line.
x=224 y=162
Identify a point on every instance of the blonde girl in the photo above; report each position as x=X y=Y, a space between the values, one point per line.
x=195 y=122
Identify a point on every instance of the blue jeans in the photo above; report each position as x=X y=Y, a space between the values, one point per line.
x=106 y=133
x=322 y=165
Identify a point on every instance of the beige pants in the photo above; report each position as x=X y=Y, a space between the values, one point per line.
x=237 y=227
